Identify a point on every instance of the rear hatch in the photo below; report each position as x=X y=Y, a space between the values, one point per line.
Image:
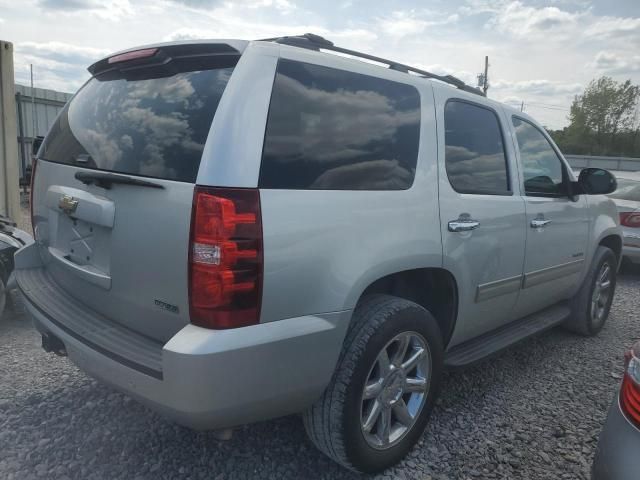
x=113 y=187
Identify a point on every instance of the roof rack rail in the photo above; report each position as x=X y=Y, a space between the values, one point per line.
x=316 y=42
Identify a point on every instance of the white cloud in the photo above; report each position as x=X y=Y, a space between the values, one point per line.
x=56 y=65
x=111 y=10
x=537 y=87
x=539 y=51
x=551 y=22
x=613 y=63
x=402 y=23
x=527 y=22
x=266 y=31
x=281 y=5
x=615 y=27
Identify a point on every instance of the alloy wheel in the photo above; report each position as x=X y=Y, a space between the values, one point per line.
x=396 y=390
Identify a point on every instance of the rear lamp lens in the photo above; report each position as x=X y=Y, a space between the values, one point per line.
x=630 y=391
x=630 y=219
x=225 y=279
x=135 y=55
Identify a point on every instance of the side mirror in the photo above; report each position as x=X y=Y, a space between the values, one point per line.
x=596 y=181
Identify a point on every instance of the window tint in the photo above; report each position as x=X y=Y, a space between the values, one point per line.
x=332 y=129
x=474 y=150
x=153 y=127
x=543 y=171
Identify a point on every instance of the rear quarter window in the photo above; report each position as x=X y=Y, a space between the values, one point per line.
x=330 y=129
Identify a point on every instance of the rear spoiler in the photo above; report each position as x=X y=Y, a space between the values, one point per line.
x=165 y=60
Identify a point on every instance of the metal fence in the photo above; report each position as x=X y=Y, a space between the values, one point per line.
x=627 y=164
x=35 y=115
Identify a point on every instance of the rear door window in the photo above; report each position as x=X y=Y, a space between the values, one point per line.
x=152 y=127
x=474 y=150
x=339 y=130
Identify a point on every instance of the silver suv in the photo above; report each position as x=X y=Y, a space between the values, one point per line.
x=232 y=231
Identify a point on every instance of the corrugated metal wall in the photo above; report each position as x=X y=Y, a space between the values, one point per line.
x=46 y=104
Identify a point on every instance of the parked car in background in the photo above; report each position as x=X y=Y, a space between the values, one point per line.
x=231 y=231
x=627 y=199
x=619 y=444
x=11 y=240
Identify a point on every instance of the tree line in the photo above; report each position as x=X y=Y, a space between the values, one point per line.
x=604 y=120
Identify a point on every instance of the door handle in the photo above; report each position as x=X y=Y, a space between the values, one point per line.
x=539 y=223
x=463 y=224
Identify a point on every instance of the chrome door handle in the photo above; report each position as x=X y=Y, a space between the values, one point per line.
x=539 y=223
x=463 y=225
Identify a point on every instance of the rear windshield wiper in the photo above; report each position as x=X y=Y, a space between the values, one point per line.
x=106 y=180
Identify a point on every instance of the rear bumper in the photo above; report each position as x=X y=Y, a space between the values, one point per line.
x=631 y=245
x=617 y=454
x=631 y=253
x=215 y=379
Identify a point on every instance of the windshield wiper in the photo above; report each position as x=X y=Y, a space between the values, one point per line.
x=106 y=180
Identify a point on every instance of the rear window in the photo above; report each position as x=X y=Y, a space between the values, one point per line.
x=331 y=129
x=153 y=127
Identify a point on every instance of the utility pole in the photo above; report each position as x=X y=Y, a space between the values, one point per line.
x=34 y=133
x=483 y=78
x=9 y=178
x=485 y=84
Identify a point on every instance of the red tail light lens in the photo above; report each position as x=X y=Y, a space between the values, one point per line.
x=135 y=55
x=630 y=219
x=630 y=391
x=225 y=258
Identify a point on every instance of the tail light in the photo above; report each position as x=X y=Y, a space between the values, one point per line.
x=32 y=181
x=135 y=55
x=630 y=219
x=225 y=258
x=630 y=391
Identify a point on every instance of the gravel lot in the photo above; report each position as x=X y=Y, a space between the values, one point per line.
x=534 y=412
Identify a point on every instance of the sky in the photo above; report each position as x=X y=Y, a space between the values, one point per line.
x=540 y=53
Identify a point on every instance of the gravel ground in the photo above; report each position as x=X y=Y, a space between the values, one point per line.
x=534 y=412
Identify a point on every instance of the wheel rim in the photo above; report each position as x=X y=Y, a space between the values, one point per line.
x=395 y=390
x=601 y=294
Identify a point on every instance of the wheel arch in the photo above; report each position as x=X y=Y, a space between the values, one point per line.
x=614 y=242
x=433 y=288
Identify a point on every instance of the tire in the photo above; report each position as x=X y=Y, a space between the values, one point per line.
x=588 y=313
x=3 y=296
x=336 y=422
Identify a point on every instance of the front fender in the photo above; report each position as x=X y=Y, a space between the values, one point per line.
x=604 y=221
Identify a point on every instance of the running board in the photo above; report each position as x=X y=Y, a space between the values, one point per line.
x=490 y=343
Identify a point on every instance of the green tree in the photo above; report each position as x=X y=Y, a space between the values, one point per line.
x=603 y=120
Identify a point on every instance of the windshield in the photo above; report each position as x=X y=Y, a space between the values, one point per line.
x=627 y=190
x=152 y=127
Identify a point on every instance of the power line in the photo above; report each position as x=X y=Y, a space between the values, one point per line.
x=549 y=105
x=524 y=104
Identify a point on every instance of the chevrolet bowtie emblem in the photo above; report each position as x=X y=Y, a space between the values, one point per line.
x=68 y=204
